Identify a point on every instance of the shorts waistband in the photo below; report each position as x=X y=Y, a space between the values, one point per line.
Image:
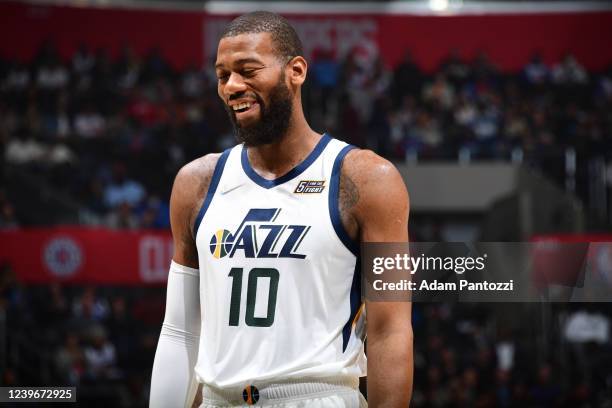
x=276 y=391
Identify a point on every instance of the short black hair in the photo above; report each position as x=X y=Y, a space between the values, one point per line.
x=286 y=41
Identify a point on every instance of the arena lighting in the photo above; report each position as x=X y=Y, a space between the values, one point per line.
x=438 y=5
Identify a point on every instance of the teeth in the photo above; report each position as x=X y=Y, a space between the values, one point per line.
x=241 y=106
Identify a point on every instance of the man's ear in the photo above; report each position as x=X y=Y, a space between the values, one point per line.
x=296 y=70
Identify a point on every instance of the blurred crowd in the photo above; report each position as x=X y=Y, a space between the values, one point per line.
x=472 y=106
x=103 y=340
x=111 y=133
x=510 y=355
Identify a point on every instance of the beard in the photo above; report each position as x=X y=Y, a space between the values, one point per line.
x=274 y=118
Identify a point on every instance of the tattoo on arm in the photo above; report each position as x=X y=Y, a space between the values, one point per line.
x=348 y=198
x=349 y=193
x=200 y=185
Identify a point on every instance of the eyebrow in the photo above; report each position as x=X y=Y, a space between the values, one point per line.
x=241 y=61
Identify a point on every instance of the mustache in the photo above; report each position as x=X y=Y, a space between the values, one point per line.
x=245 y=95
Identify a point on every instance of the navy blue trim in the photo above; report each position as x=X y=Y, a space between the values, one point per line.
x=294 y=172
x=334 y=210
x=355 y=303
x=214 y=182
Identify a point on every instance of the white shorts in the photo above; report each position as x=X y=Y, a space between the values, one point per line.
x=319 y=393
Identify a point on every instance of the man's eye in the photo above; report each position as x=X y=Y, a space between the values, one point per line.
x=248 y=73
x=222 y=78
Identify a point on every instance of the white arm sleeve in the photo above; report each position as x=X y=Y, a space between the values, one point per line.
x=173 y=382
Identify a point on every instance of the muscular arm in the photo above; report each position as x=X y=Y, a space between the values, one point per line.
x=374 y=207
x=173 y=382
x=188 y=193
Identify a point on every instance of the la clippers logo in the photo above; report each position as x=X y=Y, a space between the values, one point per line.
x=63 y=256
x=258 y=236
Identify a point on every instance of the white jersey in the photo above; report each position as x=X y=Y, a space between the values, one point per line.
x=280 y=287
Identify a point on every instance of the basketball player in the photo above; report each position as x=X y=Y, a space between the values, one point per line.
x=266 y=255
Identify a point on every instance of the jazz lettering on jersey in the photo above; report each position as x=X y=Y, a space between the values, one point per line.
x=258 y=236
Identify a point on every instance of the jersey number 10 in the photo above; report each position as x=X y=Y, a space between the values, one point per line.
x=254 y=275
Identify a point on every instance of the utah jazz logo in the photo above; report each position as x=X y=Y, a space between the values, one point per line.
x=277 y=240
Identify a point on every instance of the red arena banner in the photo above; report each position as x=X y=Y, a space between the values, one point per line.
x=113 y=257
x=83 y=255
x=190 y=37
x=565 y=259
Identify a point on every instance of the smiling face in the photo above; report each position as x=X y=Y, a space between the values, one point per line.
x=251 y=84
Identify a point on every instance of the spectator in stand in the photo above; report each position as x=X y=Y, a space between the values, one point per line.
x=89 y=123
x=143 y=108
x=100 y=357
x=8 y=218
x=193 y=82
x=439 y=93
x=483 y=68
x=10 y=120
x=457 y=71
x=546 y=392
x=52 y=75
x=155 y=214
x=569 y=71
x=536 y=72
x=57 y=310
x=24 y=149
x=424 y=134
x=503 y=391
x=325 y=71
x=379 y=79
x=90 y=308
x=587 y=331
x=128 y=69
x=407 y=79
x=604 y=86
x=83 y=61
x=56 y=125
x=349 y=126
x=155 y=66
x=399 y=123
x=356 y=74
x=122 y=217
x=485 y=128
x=59 y=155
x=17 y=79
x=94 y=196
x=70 y=360
x=121 y=330
x=123 y=189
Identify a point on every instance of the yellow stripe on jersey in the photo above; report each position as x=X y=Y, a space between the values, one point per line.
x=220 y=243
x=358 y=314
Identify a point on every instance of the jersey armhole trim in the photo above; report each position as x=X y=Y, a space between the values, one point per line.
x=334 y=198
x=214 y=182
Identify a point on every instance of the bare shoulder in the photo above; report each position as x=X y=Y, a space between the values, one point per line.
x=194 y=178
x=370 y=177
x=188 y=192
x=373 y=198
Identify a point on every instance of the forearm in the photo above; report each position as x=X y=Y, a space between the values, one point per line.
x=390 y=369
x=173 y=382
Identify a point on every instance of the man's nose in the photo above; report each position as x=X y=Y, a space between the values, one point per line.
x=235 y=84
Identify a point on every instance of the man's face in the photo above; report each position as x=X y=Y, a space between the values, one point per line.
x=251 y=84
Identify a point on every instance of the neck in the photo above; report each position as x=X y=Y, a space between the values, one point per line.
x=275 y=159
